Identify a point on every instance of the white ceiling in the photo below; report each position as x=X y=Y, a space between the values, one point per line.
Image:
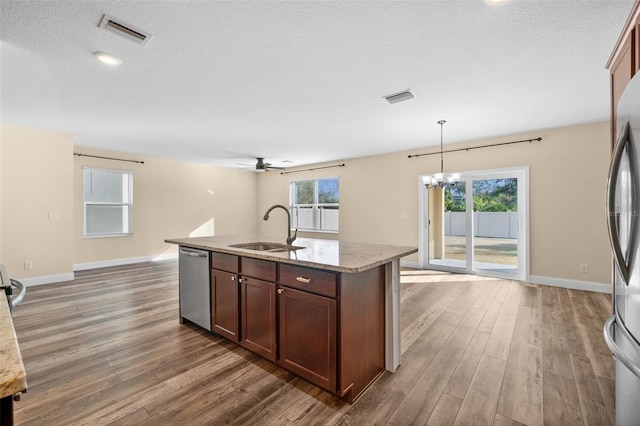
x=223 y=82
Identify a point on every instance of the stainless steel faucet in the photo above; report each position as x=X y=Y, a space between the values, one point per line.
x=290 y=239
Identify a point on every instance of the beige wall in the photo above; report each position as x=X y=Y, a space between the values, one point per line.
x=379 y=196
x=41 y=205
x=379 y=200
x=1 y=194
x=37 y=201
x=171 y=199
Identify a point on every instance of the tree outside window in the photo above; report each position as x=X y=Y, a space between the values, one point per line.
x=315 y=204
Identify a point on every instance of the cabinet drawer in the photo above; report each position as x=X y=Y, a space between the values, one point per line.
x=257 y=268
x=307 y=279
x=225 y=262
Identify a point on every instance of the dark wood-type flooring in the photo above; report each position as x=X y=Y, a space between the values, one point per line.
x=107 y=348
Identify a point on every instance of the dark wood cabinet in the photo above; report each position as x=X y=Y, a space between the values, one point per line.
x=315 y=281
x=224 y=304
x=258 y=306
x=307 y=326
x=624 y=62
x=361 y=331
x=258 y=318
x=225 y=295
x=327 y=327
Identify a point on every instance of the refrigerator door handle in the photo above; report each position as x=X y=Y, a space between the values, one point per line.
x=614 y=237
x=618 y=353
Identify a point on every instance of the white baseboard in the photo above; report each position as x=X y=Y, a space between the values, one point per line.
x=551 y=281
x=47 y=279
x=572 y=284
x=165 y=256
x=110 y=262
x=123 y=261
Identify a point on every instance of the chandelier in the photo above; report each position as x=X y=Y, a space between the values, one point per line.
x=439 y=180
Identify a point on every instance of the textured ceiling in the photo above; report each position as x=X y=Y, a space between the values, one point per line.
x=223 y=82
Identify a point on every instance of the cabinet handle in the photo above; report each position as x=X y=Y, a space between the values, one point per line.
x=233 y=278
x=280 y=290
x=303 y=280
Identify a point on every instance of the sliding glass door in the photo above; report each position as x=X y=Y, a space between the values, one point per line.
x=447 y=226
x=479 y=225
x=495 y=224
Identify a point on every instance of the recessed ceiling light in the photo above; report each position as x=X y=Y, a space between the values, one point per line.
x=107 y=58
x=496 y=1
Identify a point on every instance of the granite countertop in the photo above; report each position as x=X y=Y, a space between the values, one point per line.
x=13 y=377
x=331 y=255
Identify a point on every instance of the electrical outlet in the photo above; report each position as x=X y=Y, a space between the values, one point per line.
x=584 y=268
x=28 y=265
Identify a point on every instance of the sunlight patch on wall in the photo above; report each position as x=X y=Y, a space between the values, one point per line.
x=204 y=230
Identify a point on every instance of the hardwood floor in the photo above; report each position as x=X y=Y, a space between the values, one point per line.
x=107 y=348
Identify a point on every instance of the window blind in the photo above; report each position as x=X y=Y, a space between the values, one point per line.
x=107 y=202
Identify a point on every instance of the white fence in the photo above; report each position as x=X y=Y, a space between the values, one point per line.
x=487 y=224
x=314 y=217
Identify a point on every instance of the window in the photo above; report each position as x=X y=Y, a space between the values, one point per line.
x=314 y=204
x=108 y=202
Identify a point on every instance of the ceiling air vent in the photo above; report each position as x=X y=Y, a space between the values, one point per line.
x=126 y=31
x=405 y=95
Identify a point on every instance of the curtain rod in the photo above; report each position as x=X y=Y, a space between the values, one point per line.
x=109 y=158
x=538 y=139
x=315 y=168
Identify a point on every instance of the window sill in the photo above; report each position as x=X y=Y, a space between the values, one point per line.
x=318 y=231
x=90 y=237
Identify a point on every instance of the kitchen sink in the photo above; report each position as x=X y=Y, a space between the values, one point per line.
x=270 y=247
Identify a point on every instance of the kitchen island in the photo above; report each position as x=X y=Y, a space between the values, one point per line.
x=12 y=373
x=326 y=310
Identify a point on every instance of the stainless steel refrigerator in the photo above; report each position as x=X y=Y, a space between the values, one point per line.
x=622 y=330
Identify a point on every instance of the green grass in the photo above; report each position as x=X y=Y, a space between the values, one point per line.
x=503 y=251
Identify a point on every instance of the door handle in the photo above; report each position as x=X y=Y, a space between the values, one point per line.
x=618 y=353
x=614 y=236
x=192 y=253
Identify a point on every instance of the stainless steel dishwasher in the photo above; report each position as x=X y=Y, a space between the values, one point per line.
x=195 y=297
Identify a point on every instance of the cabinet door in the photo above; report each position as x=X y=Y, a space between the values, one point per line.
x=258 y=302
x=622 y=71
x=308 y=336
x=224 y=304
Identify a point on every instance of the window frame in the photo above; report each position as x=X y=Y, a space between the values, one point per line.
x=128 y=204
x=316 y=206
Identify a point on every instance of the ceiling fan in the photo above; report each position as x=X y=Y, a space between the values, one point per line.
x=261 y=166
